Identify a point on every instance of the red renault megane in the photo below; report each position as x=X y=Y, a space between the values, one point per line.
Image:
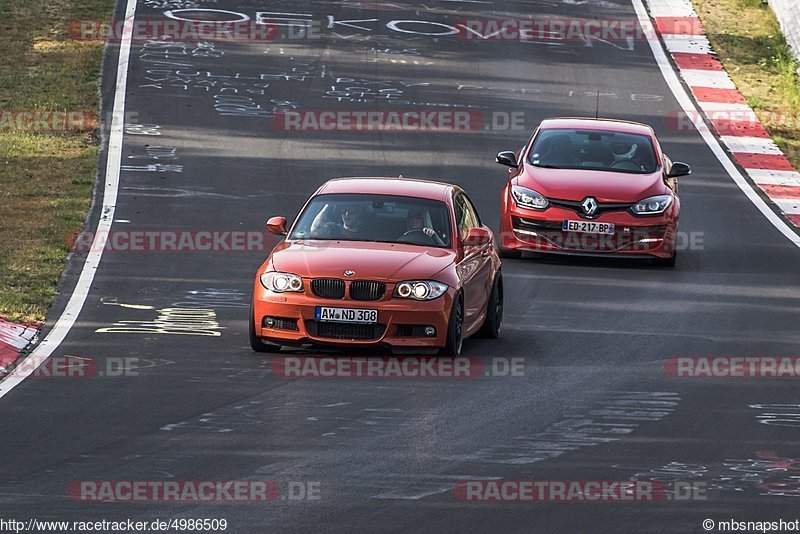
x=379 y=262
x=594 y=187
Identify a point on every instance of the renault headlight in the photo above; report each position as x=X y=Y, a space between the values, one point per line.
x=528 y=198
x=652 y=205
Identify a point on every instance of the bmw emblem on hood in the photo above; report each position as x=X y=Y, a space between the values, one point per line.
x=349 y=273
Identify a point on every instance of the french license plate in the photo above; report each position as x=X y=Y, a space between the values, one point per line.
x=346 y=315
x=588 y=227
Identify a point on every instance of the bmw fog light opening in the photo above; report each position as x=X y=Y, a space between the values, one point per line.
x=430 y=331
x=420 y=289
x=279 y=282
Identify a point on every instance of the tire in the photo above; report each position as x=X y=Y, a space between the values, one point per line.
x=667 y=262
x=455 y=330
x=256 y=343
x=509 y=254
x=494 y=310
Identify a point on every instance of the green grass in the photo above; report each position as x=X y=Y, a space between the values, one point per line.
x=45 y=177
x=748 y=39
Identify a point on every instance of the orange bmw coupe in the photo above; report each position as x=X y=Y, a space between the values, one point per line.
x=393 y=262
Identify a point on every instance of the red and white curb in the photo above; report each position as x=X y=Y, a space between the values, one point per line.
x=13 y=338
x=731 y=119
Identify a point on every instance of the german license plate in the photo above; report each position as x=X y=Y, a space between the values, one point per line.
x=588 y=227
x=346 y=315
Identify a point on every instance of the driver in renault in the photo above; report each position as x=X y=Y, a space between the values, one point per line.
x=627 y=152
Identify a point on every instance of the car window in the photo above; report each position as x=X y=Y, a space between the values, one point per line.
x=476 y=220
x=458 y=207
x=378 y=218
x=601 y=150
x=466 y=217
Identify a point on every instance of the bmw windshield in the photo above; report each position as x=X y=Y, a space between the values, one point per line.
x=378 y=218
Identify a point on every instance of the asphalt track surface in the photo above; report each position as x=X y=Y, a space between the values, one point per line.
x=386 y=453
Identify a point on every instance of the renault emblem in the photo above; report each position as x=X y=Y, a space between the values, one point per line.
x=589 y=206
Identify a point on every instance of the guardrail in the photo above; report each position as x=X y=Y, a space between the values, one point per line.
x=788 y=13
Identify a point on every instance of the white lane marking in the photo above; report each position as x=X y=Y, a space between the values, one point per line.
x=131 y=306
x=770 y=177
x=671 y=77
x=790 y=206
x=717 y=79
x=670 y=8
x=409 y=494
x=740 y=110
x=751 y=145
x=76 y=301
x=426 y=486
x=731 y=114
x=689 y=44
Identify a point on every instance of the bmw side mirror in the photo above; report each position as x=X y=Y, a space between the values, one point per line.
x=679 y=168
x=277 y=225
x=507 y=158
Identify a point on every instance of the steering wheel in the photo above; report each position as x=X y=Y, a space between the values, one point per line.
x=414 y=236
x=627 y=164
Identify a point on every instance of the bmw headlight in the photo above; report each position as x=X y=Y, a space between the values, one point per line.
x=281 y=282
x=652 y=205
x=420 y=289
x=528 y=198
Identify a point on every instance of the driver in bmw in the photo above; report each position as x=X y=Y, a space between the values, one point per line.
x=416 y=222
